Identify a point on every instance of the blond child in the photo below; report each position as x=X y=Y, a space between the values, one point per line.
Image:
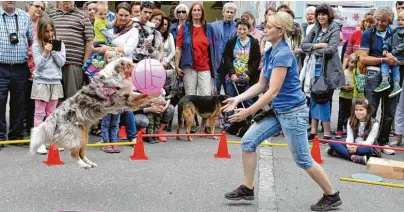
x=102 y=32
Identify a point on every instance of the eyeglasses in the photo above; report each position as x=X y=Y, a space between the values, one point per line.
x=38 y=7
x=181 y=11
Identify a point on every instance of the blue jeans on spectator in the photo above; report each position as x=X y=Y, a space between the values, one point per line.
x=293 y=123
x=130 y=123
x=342 y=150
x=395 y=70
x=12 y=79
x=389 y=105
x=110 y=128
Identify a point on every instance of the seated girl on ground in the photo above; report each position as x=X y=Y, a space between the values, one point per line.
x=361 y=129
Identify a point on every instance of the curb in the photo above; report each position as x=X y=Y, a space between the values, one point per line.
x=266 y=181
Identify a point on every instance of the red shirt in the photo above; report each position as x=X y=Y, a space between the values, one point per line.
x=200 y=45
x=353 y=43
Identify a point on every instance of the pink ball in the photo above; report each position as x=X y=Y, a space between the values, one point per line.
x=149 y=76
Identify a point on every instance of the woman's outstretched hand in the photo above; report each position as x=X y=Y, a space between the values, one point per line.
x=230 y=104
x=239 y=115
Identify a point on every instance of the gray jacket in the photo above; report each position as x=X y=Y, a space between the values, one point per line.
x=395 y=43
x=334 y=74
x=48 y=68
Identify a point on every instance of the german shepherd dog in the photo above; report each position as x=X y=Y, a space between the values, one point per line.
x=208 y=107
x=110 y=91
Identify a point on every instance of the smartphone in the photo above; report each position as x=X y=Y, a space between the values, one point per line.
x=57 y=45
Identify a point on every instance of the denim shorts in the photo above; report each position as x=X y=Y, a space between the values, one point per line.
x=294 y=126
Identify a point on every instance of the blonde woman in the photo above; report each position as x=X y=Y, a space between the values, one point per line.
x=285 y=93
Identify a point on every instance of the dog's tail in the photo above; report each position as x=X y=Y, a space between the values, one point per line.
x=41 y=135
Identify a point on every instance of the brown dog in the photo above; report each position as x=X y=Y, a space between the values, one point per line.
x=208 y=107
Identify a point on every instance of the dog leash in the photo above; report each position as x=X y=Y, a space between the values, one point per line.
x=235 y=88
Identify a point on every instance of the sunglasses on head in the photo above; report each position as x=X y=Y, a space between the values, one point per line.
x=181 y=11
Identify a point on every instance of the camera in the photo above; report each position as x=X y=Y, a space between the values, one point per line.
x=14 y=38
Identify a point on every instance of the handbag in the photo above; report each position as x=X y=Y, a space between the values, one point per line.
x=319 y=91
x=306 y=74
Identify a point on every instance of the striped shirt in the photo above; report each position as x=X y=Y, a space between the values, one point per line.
x=15 y=53
x=74 y=29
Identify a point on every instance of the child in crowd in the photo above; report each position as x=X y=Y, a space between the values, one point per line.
x=346 y=95
x=110 y=122
x=46 y=88
x=155 y=120
x=102 y=26
x=361 y=129
x=393 y=47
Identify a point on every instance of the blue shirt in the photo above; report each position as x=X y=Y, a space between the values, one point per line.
x=290 y=94
x=15 y=53
x=373 y=41
x=227 y=28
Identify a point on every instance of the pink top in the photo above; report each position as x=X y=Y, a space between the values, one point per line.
x=257 y=34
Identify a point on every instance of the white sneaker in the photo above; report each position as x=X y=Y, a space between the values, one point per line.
x=388 y=151
x=265 y=141
x=42 y=150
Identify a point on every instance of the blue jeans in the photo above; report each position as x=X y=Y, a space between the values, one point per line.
x=389 y=105
x=130 y=123
x=294 y=126
x=12 y=79
x=342 y=150
x=110 y=128
x=395 y=70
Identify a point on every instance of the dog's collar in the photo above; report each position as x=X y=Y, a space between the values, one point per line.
x=107 y=91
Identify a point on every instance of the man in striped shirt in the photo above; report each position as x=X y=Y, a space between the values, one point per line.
x=74 y=28
x=16 y=35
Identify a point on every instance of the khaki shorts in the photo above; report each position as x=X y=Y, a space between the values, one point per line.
x=197 y=82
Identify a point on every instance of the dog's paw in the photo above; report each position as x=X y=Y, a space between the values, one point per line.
x=83 y=165
x=93 y=165
x=190 y=139
x=178 y=138
x=89 y=162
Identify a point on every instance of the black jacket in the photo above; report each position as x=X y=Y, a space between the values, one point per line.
x=253 y=61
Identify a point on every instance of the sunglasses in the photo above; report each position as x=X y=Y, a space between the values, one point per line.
x=38 y=7
x=179 y=12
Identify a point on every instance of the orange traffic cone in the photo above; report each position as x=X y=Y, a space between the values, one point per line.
x=53 y=157
x=315 y=151
x=122 y=133
x=222 y=150
x=138 y=151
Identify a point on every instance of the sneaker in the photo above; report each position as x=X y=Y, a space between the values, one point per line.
x=327 y=203
x=116 y=149
x=339 y=134
x=384 y=85
x=310 y=136
x=149 y=140
x=108 y=149
x=388 y=151
x=396 y=90
x=359 y=159
x=42 y=150
x=331 y=152
x=242 y=192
